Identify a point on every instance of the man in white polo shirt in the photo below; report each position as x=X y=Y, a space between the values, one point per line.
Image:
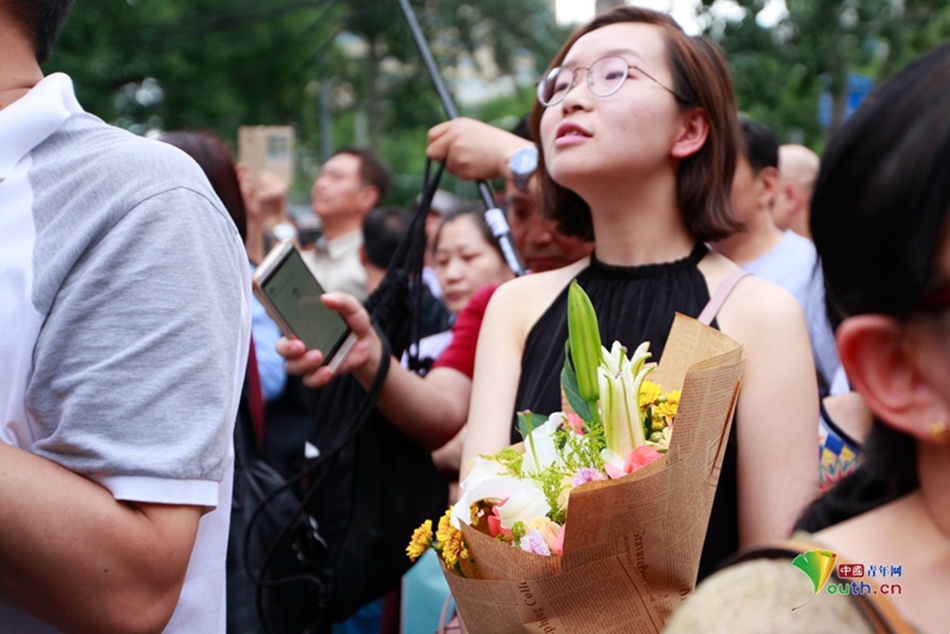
x=124 y=321
x=350 y=183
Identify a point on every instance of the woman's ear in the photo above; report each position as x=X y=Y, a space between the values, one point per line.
x=882 y=367
x=692 y=135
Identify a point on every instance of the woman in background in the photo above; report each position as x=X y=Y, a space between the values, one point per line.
x=880 y=222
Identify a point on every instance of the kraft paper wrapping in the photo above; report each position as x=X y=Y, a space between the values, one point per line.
x=632 y=545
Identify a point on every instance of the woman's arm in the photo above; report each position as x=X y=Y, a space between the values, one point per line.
x=429 y=410
x=497 y=373
x=777 y=414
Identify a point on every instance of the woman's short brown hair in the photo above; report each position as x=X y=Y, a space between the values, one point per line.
x=704 y=182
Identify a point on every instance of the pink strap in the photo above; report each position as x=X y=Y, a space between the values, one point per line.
x=447 y=627
x=722 y=293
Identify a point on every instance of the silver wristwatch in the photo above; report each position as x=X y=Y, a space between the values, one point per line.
x=523 y=164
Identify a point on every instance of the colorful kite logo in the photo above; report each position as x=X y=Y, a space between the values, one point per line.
x=818 y=565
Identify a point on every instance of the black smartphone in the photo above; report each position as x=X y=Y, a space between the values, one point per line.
x=291 y=295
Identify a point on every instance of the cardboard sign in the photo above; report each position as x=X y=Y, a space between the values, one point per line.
x=267 y=147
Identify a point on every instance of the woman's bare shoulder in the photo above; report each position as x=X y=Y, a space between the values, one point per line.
x=755 y=305
x=526 y=298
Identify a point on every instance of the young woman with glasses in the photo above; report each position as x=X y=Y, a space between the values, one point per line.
x=637 y=132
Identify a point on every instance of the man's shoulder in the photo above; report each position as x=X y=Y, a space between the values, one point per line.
x=792 y=263
x=88 y=176
x=116 y=160
x=794 y=247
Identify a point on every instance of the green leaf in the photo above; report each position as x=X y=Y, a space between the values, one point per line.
x=571 y=389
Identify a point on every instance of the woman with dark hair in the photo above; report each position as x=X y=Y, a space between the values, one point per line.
x=638 y=143
x=215 y=161
x=880 y=222
x=467 y=256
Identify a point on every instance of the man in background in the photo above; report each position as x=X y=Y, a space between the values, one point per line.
x=798 y=167
x=350 y=183
x=781 y=257
x=124 y=331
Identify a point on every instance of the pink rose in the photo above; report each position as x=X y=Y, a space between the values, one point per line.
x=494 y=521
x=574 y=422
x=636 y=459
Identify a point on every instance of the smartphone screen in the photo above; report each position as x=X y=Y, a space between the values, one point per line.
x=295 y=293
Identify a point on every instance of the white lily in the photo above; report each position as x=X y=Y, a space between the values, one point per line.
x=612 y=360
x=612 y=458
x=525 y=500
x=620 y=381
x=525 y=505
x=482 y=469
x=539 y=449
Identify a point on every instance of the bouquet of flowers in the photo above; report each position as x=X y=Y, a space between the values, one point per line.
x=630 y=465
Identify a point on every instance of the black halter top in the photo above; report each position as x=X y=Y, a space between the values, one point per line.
x=633 y=304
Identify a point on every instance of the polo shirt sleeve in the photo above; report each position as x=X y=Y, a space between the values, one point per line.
x=139 y=365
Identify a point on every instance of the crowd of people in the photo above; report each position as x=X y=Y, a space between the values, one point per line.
x=132 y=343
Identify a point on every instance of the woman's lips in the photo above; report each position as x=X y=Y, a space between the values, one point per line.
x=570 y=133
x=455 y=296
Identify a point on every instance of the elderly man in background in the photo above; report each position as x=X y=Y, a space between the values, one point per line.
x=798 y=168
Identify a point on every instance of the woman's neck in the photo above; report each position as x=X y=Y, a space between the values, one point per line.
x=933 y=473
x=639 y=223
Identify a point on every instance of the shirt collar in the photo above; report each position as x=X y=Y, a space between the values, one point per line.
x=28 y=121
x=339 y=246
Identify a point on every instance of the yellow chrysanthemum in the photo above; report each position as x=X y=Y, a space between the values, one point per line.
x=673 y=398
x=649 y=393
x=445 y=529
x=665 y=411
x=450 y=541
x=421 y=540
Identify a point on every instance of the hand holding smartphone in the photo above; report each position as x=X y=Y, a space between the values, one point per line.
x=291 y=294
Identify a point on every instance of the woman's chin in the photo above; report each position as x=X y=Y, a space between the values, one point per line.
x=576 y=179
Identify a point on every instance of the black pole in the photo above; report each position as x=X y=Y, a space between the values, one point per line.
x=494 y=216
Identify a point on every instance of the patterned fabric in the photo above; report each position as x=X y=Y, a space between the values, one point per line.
x=838 y=453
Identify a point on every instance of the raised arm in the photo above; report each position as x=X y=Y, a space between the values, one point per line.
x=777 y=416
x=472 y=149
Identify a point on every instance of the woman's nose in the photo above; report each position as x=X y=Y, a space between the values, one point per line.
x=578 y=97
x=454 y=271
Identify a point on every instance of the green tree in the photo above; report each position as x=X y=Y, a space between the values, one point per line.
x=780 y=71
x=218 y=64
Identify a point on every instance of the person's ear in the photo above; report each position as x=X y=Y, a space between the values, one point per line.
x=882 y=367
x=767 y=186
x=364 y=259
x=692 y=134
x=368 y=196
x=791 y=191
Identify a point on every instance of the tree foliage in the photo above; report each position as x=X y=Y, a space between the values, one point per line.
x=780 y=71
x=219 y=64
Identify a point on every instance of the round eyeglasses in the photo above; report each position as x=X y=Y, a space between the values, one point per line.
x=604 y=78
